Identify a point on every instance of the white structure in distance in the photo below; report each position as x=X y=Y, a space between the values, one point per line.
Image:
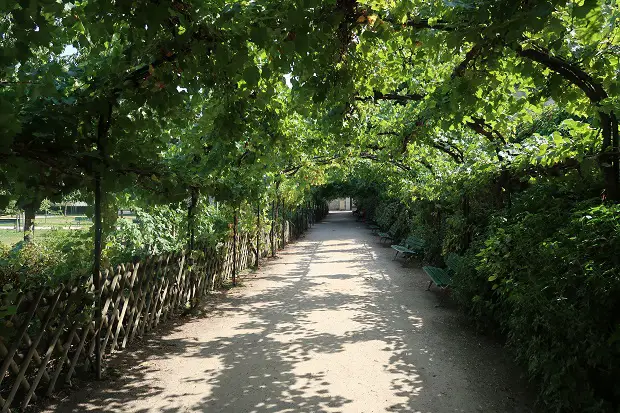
x=341 y=204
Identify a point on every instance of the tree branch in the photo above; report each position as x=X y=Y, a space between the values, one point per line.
x=401 y=99
x=472 y=54
x=417 y=23
x=455 y=153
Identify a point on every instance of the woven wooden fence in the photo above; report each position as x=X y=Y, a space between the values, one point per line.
x=54 y=330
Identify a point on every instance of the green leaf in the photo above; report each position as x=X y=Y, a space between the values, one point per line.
x=251 y=75
x=259 y=35
x=583 y=10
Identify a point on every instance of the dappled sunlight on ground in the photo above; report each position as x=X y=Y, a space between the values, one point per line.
x=333 y=325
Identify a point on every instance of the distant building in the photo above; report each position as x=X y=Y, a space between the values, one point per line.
x=71 y=208
x=341 y=204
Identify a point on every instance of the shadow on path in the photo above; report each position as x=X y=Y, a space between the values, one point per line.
x=333 y=325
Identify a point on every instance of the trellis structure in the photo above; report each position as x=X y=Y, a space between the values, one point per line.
x=54 y=329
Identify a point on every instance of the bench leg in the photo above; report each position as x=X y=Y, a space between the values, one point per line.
x=429 y=285
x=395 y=255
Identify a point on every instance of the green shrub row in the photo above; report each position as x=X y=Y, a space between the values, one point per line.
x=544 y=274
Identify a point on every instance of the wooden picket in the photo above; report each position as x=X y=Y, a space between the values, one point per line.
x=54 y=329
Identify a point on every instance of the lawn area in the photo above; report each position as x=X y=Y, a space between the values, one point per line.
x=43 y=226
x=56 y=221
x=69 y=221
x=64 y=221
x=10 y=238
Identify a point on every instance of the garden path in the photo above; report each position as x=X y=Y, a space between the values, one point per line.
x=332 y=325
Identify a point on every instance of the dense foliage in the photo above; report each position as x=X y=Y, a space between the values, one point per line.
x=487 y=127
x=541 y=272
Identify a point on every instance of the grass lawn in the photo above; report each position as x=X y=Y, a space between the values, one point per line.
x=73 y=221
x=49 y=223
x=56 y=221
x=11 y=238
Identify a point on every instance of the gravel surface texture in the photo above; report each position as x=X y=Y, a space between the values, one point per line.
x=332 y=325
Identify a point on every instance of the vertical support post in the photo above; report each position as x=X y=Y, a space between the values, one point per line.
x=259 y=233
x=235 y=223
x=103 y=128
x=191 y=218
x=97 y=274
x=283 y=225
x=273 y=228
x=275 y=205
x=467 y=233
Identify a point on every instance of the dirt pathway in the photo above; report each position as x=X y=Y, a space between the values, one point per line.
x=334 y=325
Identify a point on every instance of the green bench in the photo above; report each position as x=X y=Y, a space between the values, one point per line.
x=81 y=220
x=411 y=246
x=388 y=236
x=443 y=277
x=374 y=228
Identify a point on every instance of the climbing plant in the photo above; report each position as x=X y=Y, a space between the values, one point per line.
x=469 y=115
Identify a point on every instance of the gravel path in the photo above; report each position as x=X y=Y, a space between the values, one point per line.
x=333 y=325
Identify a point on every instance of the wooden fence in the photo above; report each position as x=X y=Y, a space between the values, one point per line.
x=54 y=329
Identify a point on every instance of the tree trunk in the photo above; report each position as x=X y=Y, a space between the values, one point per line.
x=283 y=226
x=275 y=205
x=29 y=218
x=191 y=219
x=467 y=233
x=103 y=128
x=258 y=235
x=275 y=223
x=506 y=191
x=235 y=223
x=609 y=158
x=97 y=273
x=273 y=229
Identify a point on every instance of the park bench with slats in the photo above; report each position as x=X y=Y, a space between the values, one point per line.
x=442 y=277
x=411 y=246
x=386 y=236
x=81 y=220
